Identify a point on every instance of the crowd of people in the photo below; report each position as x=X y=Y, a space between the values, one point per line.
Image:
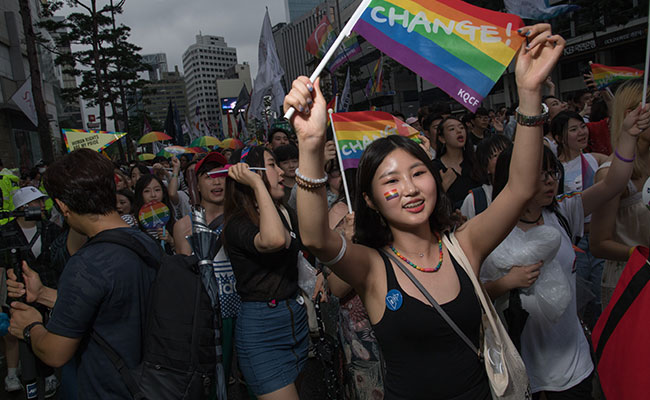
x=542 y=196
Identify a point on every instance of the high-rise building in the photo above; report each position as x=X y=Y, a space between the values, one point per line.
x=298 y=8
x=158 y=94
x=203 y=63
x=70 y=116
x=158 y=64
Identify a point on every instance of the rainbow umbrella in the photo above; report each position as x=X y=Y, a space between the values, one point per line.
x=205 y=141
x=199 y=150
x=177 y=150
x=146 y=157
x=231 y=143
x=154 y=136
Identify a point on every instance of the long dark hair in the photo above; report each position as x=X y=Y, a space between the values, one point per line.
x=487 y=147
x=142 y=183
x=370 y=228
x=239 y=198
x=469 y=157
x=560 y=126
x=502 y=171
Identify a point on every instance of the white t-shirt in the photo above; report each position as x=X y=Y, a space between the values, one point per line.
x=467 y=209
x=29 y=235
x=550 y=143
x=573 y=175
x=557 y=354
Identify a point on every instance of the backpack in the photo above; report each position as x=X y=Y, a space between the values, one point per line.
x=179 y=353
x=480 y=200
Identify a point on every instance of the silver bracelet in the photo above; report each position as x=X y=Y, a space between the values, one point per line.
x=311 y=180
x=339 y=256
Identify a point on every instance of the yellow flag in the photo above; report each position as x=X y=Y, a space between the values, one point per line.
x=95 y=140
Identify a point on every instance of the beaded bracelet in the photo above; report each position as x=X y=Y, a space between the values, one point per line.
x=303 y=184
x=620 y=157
x=322 y=180
x=344 y=246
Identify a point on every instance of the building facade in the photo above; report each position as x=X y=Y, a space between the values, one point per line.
x=19 y=140
x=157 y=63
x=158 y=94
x=203 y=63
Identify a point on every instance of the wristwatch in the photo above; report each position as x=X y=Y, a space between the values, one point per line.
x=534 y=120
x=26 y=332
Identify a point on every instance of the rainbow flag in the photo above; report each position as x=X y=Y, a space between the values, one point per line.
x=605 y=76
x=321 y=39
x=96 y=140
x=349 y=48
x=461 y=48
x=356 y=130
x=376 y=79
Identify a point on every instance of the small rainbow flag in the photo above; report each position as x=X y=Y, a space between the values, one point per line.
x=390 y=195
x=356 y=130
x=349 y=48
x=376 y=79
x=461 y=48
x=321 y=39
x=605 y=76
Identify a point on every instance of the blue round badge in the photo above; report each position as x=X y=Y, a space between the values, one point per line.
x=394 y=300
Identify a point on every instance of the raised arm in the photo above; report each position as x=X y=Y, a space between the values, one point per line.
x=310 y=124
x=272 y=236
x=480 y=235
x=603 y=226
x=172 y=186
x=620 y=171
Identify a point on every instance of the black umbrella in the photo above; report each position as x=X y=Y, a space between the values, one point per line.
x=204 y=245
x=516 y=317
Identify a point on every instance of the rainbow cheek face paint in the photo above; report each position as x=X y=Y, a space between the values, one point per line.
x=390 y=195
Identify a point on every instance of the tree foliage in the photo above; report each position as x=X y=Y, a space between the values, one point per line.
x=102 y=59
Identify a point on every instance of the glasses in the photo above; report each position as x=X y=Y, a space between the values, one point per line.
x=555 y=175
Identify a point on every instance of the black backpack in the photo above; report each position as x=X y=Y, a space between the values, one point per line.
x=178 y=353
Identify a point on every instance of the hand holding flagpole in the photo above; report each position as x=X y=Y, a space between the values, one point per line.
x=347 y=29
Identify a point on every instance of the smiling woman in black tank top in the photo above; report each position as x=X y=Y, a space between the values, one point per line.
x=401 y=209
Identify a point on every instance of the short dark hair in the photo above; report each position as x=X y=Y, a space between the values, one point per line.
x=276 y=130
x=399 y=115
x=84 y=181
x=369 y=228
x=481 y=111
x=428 y=120
x=286 y=152
x=487 y=147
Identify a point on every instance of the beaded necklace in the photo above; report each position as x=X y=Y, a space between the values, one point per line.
x=412 y=264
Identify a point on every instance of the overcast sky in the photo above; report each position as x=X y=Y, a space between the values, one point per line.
x=170 y=26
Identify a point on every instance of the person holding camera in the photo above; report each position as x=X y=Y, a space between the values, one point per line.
x=30 y=236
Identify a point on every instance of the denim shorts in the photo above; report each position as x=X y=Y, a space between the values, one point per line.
x=271 y=343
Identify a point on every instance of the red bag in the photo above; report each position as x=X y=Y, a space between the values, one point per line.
x=621 y=337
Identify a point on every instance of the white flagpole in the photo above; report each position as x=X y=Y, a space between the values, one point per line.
x=345 y=32
x=647 y=60
x=338 y=155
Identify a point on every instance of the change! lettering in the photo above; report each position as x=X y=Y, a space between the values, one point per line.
x=484 y=33
x=350 y=147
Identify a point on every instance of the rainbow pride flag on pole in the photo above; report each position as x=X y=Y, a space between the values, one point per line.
x=349 y=48
x=376 y=79
x=354 y=131
x=605 y=76
x=321 y=39
x=461 y=48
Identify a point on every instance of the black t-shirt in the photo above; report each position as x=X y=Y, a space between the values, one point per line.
x=104 y=288
x=262 y=276
x=476 y=140
x=462 y=185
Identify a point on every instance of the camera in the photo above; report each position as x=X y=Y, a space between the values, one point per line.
x=15 y=253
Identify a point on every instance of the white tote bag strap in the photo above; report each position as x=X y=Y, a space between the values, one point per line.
x=457 y=252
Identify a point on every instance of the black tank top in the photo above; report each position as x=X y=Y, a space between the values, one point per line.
x=425 y=358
